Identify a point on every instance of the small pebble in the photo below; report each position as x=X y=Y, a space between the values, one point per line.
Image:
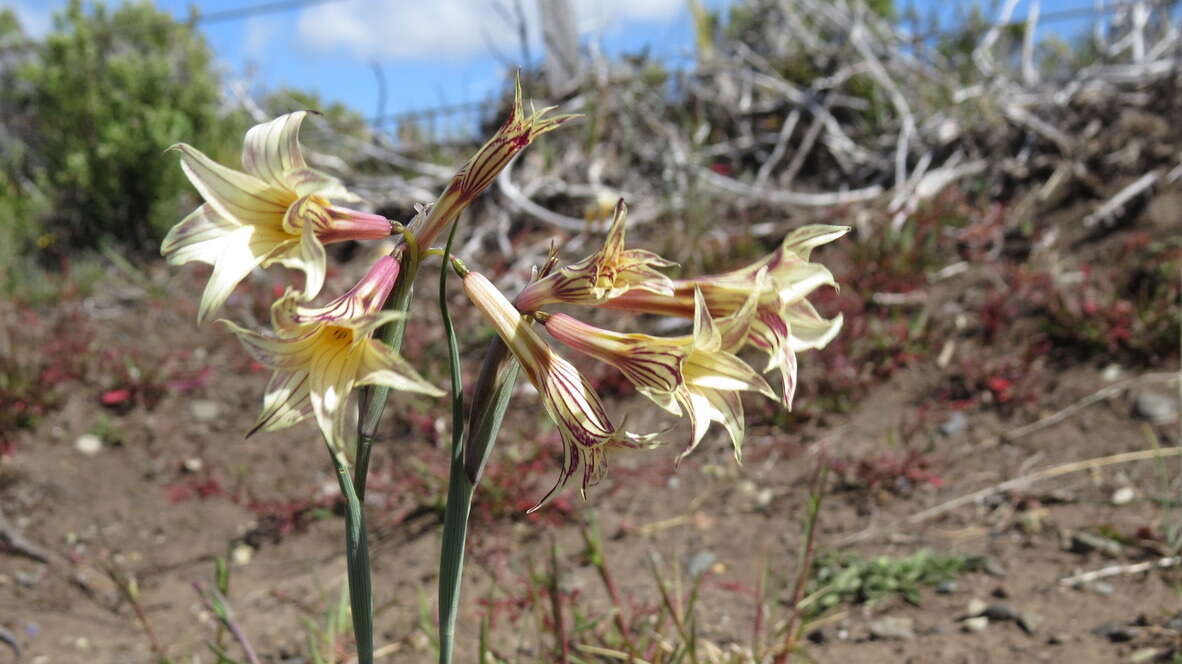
x=193 y=464
x=1001 y=612
x=242 y=554
x=1111 y=372
x=419 y=641
x=1143 y=655
x=1116 y=632
x=89 y=444
x=1156 y=407
x=976 y=607
x=205 y=410
x=1087 y=543
x=956 y=423
x=993 y=567
x=1101 y=588
x=976 y=625
x=1123 y=496
x=1031 y=521
x=947 y=587
x=893 y=628
x=1029 y=621
x=700 y=562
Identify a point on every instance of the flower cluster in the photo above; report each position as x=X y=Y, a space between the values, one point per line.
x=279 y=210
x=700 y=375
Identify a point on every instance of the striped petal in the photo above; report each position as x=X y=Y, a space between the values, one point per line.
x=285 y=401
x=803 y=240
x=333 y=373
x=199 y=237
x=602 y=276
x=569 y=400
x=235 y=262
x=720 y=370
x=697 y=410
x=233 y=194
x=380 y=365
x=798 y=280
x=311 y=182
x=689 y=375
x=283 y=354
x=271 y=149
x=707 y=337
x=726 y=408
x=313 y=260
x=808 y=329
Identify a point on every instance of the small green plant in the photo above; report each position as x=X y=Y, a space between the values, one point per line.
x=325 y=642
x=216 y=601
x=853 y=579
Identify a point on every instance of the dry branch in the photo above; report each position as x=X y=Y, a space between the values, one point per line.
x=1117 y=570
x=822 y=103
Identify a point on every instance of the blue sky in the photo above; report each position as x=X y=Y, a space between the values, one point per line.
x=431 y=53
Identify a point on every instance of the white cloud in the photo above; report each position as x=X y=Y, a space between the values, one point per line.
x=455 y=29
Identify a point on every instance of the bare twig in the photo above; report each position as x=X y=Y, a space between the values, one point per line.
x=9 y=640
x=983 y=54
x=1019 y=482
x=777 y=154
x=1102 y=394
x=522 y=202
x=1117 y=570
x=784 y=197
x=1112 y=206
x=1029 y=73
x=15 y=541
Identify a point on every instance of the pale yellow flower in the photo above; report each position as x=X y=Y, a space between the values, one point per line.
x=608 y=273
x=689 y=375
x=517 y=132
x=278 y=211
x=784 y=322
x=571 y=402
x=321 y=353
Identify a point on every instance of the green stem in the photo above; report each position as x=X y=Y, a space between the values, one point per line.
x=373 y=398
x=459 y=489
x=372 y=405
x=357 y=560
x=451 y=557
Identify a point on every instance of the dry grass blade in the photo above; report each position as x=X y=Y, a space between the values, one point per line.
x=1018 y=482
x=1117 y=570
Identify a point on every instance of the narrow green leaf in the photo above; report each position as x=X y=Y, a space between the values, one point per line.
x=490 y=400
x=459 y=490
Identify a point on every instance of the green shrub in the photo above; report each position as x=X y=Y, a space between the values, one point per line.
x=94 y=107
